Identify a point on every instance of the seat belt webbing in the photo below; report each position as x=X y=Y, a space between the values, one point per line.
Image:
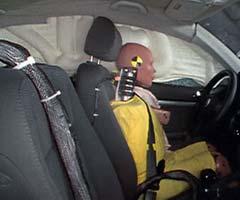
x=151 y=152
x=60 y=131
x=19 y=58
x=151 y=194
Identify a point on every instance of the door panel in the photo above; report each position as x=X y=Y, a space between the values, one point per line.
x=182 y=103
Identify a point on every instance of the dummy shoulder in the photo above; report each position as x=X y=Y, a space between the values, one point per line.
x=135 y=108
x=133 y=102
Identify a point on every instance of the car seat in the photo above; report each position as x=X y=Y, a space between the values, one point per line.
x=95 y=90
x=30 y=166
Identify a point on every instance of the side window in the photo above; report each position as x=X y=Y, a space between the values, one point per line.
x=225 y=25
x=185 y=82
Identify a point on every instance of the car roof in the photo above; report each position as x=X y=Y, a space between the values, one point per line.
x=184 y=11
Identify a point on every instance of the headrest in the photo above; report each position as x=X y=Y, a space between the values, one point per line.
x=103 y=40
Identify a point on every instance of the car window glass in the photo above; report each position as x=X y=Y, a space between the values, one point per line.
x=186 y=82
x=225 y=25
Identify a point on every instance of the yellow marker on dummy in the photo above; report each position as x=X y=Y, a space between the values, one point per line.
x=136 y=61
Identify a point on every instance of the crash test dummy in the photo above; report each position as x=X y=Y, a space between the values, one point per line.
x=133 y=115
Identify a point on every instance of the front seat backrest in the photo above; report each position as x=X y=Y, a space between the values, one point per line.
x=29 y=162
x=95 y=90
x=30 y=166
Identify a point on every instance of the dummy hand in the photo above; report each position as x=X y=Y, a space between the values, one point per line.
x=162 y=115
x=222 y=165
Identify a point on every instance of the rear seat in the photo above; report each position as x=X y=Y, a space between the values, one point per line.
x=30 y=167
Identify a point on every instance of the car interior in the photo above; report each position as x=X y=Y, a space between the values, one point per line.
x=204 y=105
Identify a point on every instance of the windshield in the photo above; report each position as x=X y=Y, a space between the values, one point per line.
x=225 y=25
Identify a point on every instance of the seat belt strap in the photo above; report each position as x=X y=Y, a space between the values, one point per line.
x=178 y=175
x=151 y=152
x=151 y=193
x=15 y=55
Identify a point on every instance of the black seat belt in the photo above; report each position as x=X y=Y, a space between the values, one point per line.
x=18 y=57
x=151 y=193
x=179 y=175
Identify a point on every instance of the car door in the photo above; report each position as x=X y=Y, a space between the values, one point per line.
x=182 y=102
x=179 y=98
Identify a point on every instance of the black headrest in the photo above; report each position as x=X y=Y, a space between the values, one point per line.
x=103 y=40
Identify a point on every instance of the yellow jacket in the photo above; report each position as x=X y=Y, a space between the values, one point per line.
x=133 y=118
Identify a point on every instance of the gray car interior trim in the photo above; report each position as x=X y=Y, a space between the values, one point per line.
x=195 y=10
x=118 y=5
x=154 y=20
x=188 y=10
x=176 y=103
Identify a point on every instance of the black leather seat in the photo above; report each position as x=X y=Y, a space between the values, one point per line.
x=30 y=166
x=95 y=90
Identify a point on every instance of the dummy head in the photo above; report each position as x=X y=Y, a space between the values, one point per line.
x=136 y=55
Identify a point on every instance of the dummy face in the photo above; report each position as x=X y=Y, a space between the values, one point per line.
x=146 y=70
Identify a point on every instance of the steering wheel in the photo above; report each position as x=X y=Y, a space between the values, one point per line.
x=217 y=97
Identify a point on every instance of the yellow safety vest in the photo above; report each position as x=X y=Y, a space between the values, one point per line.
x=133 y=118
